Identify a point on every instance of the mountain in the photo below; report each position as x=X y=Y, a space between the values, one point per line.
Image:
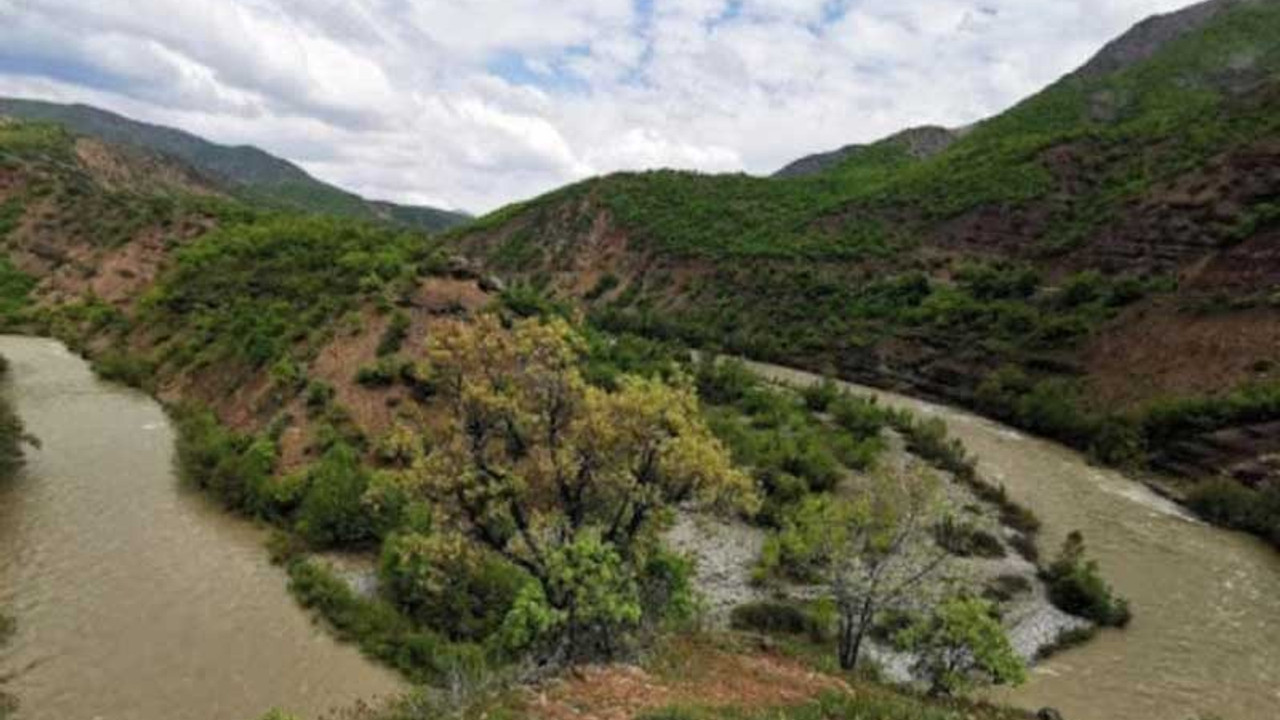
x=920 y=143
x=251 y=172
x=1137 y=45
x=1100 y=263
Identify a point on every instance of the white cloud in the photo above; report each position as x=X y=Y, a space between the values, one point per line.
x=474 y=103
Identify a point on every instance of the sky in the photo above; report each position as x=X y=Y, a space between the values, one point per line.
x=473 y=104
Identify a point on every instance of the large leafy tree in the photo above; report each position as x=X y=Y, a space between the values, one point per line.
x=562 y=478
x=873 y=550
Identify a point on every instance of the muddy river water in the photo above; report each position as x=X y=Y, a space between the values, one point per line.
x=1205 y=639
x=137 y=599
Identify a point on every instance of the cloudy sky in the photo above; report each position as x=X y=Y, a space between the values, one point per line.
x=475 y=103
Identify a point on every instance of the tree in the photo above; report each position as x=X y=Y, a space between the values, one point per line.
x=874 y=552
x=332 y=513
x=961 y=645
x=561 y=478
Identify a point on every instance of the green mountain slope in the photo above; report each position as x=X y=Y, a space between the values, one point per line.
x=1098 y=264
x=256 y=175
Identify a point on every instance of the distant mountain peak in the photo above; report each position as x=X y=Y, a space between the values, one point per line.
x=919 y=142
x=1145 y=39
x=250 y=170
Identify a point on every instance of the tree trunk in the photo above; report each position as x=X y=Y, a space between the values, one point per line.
x=847 y=659
x=853 y=629
x=851 y=634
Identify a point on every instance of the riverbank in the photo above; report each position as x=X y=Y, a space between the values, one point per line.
x=187 y=618
x=1203 y=639
x=12 y=436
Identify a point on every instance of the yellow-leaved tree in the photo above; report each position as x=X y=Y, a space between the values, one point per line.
x=565 y=479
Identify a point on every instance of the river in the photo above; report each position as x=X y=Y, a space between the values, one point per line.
x=1205 y=638
x=136 y=598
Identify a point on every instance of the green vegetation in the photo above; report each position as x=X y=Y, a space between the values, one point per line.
x=11 y=212
x=1236 y=506
x=382 y=631
x=964 y=540
x=15 y=286
x=256 y=176
x=8 y=704
x=863 y=704
x=790 y=451
x=561 y=479
x=953 y=272
x=522 y=528
x=248 y=293
x=873 y=552
x=772 y=616
x=962 y=645
x=1173 y=106
x=1076 y=587
x=12 y=435
x=444 y=581
x=395 y=334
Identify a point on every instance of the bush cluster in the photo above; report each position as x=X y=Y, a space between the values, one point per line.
x=1076 y=586
x=771 y=616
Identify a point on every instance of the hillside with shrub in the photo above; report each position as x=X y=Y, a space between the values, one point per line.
x=510 y=469
x=251 y=174
x=1096 y=264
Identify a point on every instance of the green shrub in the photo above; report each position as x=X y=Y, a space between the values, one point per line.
x=1234 y=505
x=1082 y=289
x=12 y=434
x=382 y=632
x=332 y=513
x=603 y=286
x=861 y=416
x=667 y=593
x=820 y=395
x=15 y=290
x=1075 y=586
x=234 y=468
x=385 y=373
x=724 y=382
x=1025 y=545
x=864 y=703
x=267 y=283
x=449 y=584
x=798 y=551
x=998 y=281
x=394 y=336
x=769 y=616
x=1166 y=422
x=962 y=645
x=929 y=440
x=965 y=540
x=319 y=394
x=124 y=368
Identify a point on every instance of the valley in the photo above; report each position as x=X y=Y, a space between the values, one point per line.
x=975 y=423
x=1094 y=265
